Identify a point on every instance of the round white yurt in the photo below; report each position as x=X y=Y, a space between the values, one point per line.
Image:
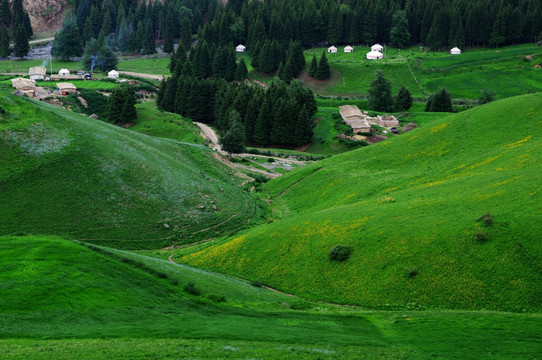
x=373 y=55
x=455 y=51
x=240 y=48
x=348 y=49
x=332 y=49
x=377 y=47
x=64 y=72
x=113 y=74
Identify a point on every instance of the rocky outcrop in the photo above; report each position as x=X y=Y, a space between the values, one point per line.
x=45 y=15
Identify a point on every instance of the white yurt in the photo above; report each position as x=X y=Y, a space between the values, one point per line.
x=64 y=72
x=240 y=48
x=455 y=51
x=377 y=47
x=373 y=55
x=348 y=49
x=332 y=49
x=113 y=74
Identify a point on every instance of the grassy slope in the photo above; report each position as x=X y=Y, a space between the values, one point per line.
x=410 y=205
x=64 y=174
x=61 y=300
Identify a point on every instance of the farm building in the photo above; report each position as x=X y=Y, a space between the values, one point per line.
x=353 y=116
x=348 y=49
x=37 y=73
x=64 y=72
x=332 y=49
x=240 y=48
x=377 y=47
x=387 y=121
x=113 y=74
x=455 y=51
x=373 y=55
x=66 y=88
x=26 y=86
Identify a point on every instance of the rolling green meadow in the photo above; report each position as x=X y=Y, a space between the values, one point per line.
x=110 y=185
x=410 y=209
x=138 y=243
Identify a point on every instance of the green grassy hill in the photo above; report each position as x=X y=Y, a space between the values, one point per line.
x=63 y=300
x=408 y=208
x=68 y=175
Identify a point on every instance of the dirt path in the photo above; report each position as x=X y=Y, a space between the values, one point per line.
x=210 y=135
x=141 y=75
x=41 y=40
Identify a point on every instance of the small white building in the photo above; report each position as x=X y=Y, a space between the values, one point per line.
x=240 y=48
x=377 y=47
x=332 y=49
x=113 y=74
x=37 y=73
x=64 y=72
x=374 y=55
x=455 y=51
x=348 y=49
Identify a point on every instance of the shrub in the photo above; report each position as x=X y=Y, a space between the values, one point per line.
x=486 y=219
x=339 y=253
x=412 y=272
x=481 y=237
x=216 y=298
x=192 y=289
x=174 y=282
x=257 y=283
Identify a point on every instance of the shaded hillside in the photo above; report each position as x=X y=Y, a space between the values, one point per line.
x=65 y=174
x=408 y=208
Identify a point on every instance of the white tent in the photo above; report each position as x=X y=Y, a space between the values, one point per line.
x=64 y=72
x=377 y=47
x=373 y=55
x=240 y=48
x=113 y=74
x=332 y=49
x=455 y=51
x=348 y=49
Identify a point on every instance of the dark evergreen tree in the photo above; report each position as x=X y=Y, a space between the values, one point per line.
x=399 y=34
x=323 y=72
x=499 y=30
x=4 y=42
x=314 y=66
x=234 y=139
x=231 y=64
x=107 y=24
x=380 y=98
x=169 y=32
x=5 y=13
x=441 y=101
x=403 y=100
x=67 y=42
x=21 y=46
x=186 y=33
x=149 y=46
x=241 y=72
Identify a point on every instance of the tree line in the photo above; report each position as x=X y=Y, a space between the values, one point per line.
x=14 y=24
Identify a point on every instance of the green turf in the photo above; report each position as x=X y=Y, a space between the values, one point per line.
x=65 y=174
x=22 y=66
x=153 y=122
x=154 y=66
x=408 y=208
x=62 y=300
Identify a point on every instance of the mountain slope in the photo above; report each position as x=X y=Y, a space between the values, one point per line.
x=408 y=208
x=68 y=175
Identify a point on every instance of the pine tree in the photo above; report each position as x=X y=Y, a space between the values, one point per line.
x=107 y=24
x=186 y=33
x=314 y=66
x=129 y=112
x=4 y=42
x=499 y=30
x=399 y=34
x=441 y=101
x=231 y=64
x=323 y=71
x=88 y=32
x=149 y=46
x=241 y=72
x=67 y=41
x=234 y=139
x=21 y=42
x=403 y=100
x=380 y=98
x=169 y=32
x=5 y=13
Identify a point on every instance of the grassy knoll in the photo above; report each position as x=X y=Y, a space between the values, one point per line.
x=153 y=122
x=154 y=66
x=62 y=300
x=65 y=174
x=408 y=208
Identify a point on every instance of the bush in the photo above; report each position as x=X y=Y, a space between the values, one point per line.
x=412 y=272
x=216 y=298
x=481 y=237
x=486 y=219
x=339 y=253
x=257 y=283
x=192 y=289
